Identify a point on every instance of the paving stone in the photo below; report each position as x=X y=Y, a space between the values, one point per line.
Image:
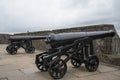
x=6 y=61
x=104 y=68
x=29 y=70
x=23 y=59
x=26 y=65
x=12 y=73
x=18 y=77
x=40 y=76
x=117 y=73
x=84 y=78
x=103 y=76
x=9 y=67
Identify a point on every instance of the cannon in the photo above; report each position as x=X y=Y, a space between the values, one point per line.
x=24 y=42
x=75 y=46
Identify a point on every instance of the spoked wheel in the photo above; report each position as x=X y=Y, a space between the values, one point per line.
x=77 y=60
x=40 y=65
x=30 y=50
x=76 y=63
x=11 y=50
x=56 y=69
x=92 y=63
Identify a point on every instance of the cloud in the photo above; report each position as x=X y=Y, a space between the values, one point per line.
x=36 y=15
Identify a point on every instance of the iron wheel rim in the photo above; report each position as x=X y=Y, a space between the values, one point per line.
x=92 y=63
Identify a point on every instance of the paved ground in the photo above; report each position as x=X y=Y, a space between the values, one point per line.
x=21 y=67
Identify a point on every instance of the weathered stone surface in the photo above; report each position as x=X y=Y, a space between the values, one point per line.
x=4 y=38
x=103 y=76
x=104 y=68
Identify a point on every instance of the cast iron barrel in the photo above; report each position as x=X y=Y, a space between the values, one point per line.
x=26 y=37
x=79 y=35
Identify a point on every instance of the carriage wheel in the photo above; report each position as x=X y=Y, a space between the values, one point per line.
x=40 y=64
x=92 y=63
x=77 y=59
x=41 y=67
x=76 y=63
x=55 y=70
x=30 y=50
x=11 y=49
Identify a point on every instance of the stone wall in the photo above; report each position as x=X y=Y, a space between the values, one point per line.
x=4 y=38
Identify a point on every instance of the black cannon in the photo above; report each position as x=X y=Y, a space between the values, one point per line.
x=75 y=46
x=24 y=42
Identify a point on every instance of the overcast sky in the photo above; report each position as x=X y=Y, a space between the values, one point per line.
x=37 y=15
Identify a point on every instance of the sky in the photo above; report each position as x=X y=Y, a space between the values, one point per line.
x=18 y=16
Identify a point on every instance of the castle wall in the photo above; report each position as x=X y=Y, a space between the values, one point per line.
x=4 y=38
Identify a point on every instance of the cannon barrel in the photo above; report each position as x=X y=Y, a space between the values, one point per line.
x=79 y=35
x=62 y=39
x=27 y=37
